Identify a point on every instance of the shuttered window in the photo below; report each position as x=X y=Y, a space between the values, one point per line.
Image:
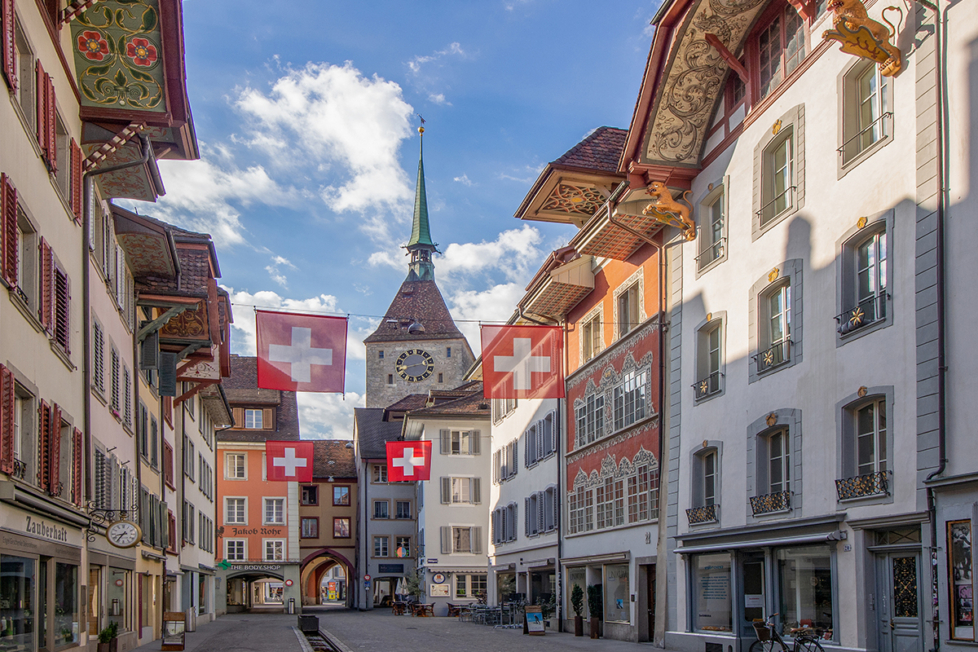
x=9 y=231
x=98 y=357
x=8 y=405
x=62 y=310
x=9 y=38
x=116 y=402
x=76 y=194
x=46 y=307
x=46 y=118
x=168 y=464
x=126 y=398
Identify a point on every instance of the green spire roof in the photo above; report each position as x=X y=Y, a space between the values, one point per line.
x=420 y=235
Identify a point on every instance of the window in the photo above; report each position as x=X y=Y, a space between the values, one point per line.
x=274 y=511
x=781 y=47
x=448 y=352
x=779 y=177
x=502 y=408
x=234 y=466
x=705 y=481
x=235 y=512
x=310 y=528
x=461 y=539
x=402 y=547
x=712 y=611
x=504 y=524
x=189 y=457
x=341 y=527
x=27 y=278
x=62 y=309
x=871 y=449
x=189 y=516
x=590 y=419
x=580 y=506
x=470 y=586
x=381 y=509
x=461 y=491
x=274 y=550
x=253 y=419
x=379 y=473
x=866 y=114
x=865 y=298
x=628 y=310
x=775 y=327
x=126 y=397
x=460 y=442
x=310 y=495
x=540 y=440
x=805 y=586
x=540 y=512
x=380 y=355
x=63 y=173
x=168 y=465
x=709 y=357
x=505 y=462
x=116 y=401
x=616 y=587
x=712 y=225
x=390 y=379
x=709 y=478
x=441 y=378
x=403 y=509
x=592 y=337
x=25 y=76
x=98 y=357
x=643 y=494
x=631 y=398
x=380 y=546
x=341 y=496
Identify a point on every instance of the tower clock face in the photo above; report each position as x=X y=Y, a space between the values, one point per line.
x=414 y=365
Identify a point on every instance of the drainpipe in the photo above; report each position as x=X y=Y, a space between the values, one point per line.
x=942 y=165
x=86 y=298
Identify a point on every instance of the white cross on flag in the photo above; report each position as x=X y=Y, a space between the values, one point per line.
x=289 y=461
x=408 y=461
x=301 y=353
x=522 y=361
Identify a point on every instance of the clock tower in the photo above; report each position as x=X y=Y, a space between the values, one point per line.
x=417 y=346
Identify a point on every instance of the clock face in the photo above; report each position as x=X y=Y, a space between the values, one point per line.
x=414 y=365
x=123 y=534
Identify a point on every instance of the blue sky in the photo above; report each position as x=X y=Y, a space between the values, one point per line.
x=306 y=117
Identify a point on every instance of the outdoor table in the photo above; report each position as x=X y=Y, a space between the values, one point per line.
x=454 y=609
x=424 y=610
x=398 y=608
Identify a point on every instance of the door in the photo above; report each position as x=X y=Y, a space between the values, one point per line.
x=752 y=565
x=650 y=597
x=899 y=613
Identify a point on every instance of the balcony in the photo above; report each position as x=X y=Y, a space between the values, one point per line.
x=773 y=357
x=708 y=386
x=703 y=514
x=868 y=311
x=863 y=486
x=771 y=503
x=20 y=470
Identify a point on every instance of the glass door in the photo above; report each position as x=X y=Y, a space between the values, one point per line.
x=18 y=615
x=752 y=566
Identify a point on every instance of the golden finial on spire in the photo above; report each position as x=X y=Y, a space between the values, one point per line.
x=421 y=128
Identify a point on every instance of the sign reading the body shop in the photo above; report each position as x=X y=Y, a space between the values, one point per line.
x=255 y=567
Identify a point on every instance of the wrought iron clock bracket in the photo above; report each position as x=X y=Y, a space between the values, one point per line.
x=100 y=518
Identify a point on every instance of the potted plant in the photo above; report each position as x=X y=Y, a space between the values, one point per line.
x=595 y=607
x=108 y=638
x=577 y=602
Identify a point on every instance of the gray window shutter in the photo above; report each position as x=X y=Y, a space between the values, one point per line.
x=446 y=491
x=475 y=537
x=475 y=443
x=541 y=512
x=553 y=431
x=475 y=491
x=495 y=467
x=526 y=516
x=516 y=458
x=446 y=540
x=495 y=530
x=446 y=442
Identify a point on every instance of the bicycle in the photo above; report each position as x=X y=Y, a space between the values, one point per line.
x=768 y=639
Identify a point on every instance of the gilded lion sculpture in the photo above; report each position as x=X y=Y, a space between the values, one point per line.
x=669 y=211
x=849 y=17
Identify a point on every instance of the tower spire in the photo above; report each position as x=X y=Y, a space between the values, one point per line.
x=420 y=246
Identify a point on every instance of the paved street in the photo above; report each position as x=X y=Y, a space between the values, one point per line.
x=258 y=632
x=380 y=631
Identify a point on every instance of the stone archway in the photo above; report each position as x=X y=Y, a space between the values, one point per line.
x=315 y=565
x=246 y=590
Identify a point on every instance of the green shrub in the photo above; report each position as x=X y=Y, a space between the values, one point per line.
x=577 y=600
x=594 y=601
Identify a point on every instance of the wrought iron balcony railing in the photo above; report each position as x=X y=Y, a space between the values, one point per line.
x=776 y=356
x=777 y=205
x=20 y=470
x=702 y=514
x=771 y=503
x=868 y=311
x=711 y=253
x=708 y=386
x=862 y=486
x=856 y=143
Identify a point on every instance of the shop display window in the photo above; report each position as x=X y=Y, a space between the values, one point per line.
x=711 y=593
x=578 y=576
x=65 y=605
x=17 y=606
x=805 y=587
x=960 y=580
x=617 y=607
x=116 y=590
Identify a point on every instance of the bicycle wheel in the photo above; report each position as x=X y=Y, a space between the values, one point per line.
x=808 y=644
x=767 y=646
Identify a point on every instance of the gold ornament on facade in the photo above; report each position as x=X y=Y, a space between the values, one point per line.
x=768 y=358
x=862 y=221
x=857 y=316
x=771 y=419
x=665 y=210
x=704 y=387
x=862 y=392
x=864 y=37
x=189 y=323
x=773 y=276
x=776 y=127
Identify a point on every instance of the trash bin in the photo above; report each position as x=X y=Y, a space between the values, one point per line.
x=291 y=605
x=192 y=619
x=309 y=624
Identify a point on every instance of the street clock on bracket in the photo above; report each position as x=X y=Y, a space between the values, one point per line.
x=123 y=534
x=414 y=365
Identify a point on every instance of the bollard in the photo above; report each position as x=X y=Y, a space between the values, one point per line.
x=291 y=605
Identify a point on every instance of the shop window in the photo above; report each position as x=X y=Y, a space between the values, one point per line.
x=866 y=109
x=403 y=509
x=117 y=599
x=379 y=474
x=341 y=496
x=310 y=495
x=274 y=511
x=17 y=583
x=709 y=359
x=236 y=511
x=274 y=549
x=234 y=466
x=471 y=586
x=865 y=280
x=310 y=528
x=804 y=577
x=341 y=527
x=960 y=580
x=592 y=336
x=380 y=546
x=381 y=509
x=617 y=605
x=712 y=608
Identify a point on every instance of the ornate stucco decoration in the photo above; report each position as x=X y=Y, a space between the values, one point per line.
x=694 y=78
x=610 y=468
x=864 y=37
x=574 y=198
x=668 y=211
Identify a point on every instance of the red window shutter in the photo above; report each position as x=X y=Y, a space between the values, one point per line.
x=46 y=309
x=40 y=90
x=168 y=410
x=6 y=420
x=9 y=43
x=52 y=109
x=43 y=444
x=54 y=452
x=9 y=251
x=76 y=467
x=77 y=196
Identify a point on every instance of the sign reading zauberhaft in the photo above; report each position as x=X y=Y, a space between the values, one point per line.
x=289 y=461
x=301 y=353
x=522 y=361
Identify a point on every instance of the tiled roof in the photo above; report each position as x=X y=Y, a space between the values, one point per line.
x=599 y=151
x=242 y=390
x=409 y=402
x=373 y=432
x=195 y=272
x=334 y=457
x=472 y=404
x=419 y=301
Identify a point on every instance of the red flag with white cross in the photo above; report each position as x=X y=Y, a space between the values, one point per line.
x=523 y=361
x=408 y=461
x=301 y=353
x=289 y=461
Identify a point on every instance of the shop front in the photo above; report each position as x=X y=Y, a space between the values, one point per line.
x=41 y=594
x=110 y=592
x=627 y=587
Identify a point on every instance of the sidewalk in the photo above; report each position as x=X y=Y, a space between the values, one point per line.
x=260 y=632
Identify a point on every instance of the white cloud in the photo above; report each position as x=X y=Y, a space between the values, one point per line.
x=327 y=416
x=338 y=124
x=439 y=98
x=464 y=180
x=276 y=273
x=495 y=304
x=512 y=253
x=525 y=174
x=510 y=5
x=454 y=48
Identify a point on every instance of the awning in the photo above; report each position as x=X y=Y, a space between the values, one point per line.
x=456 y=569
x=564 y=289
x=837 y=535
x=596 y=559
x=608 y=240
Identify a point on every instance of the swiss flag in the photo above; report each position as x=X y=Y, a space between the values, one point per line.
x=301 y=353
x=287 y=461
x=523 y=361
x=408 y=461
